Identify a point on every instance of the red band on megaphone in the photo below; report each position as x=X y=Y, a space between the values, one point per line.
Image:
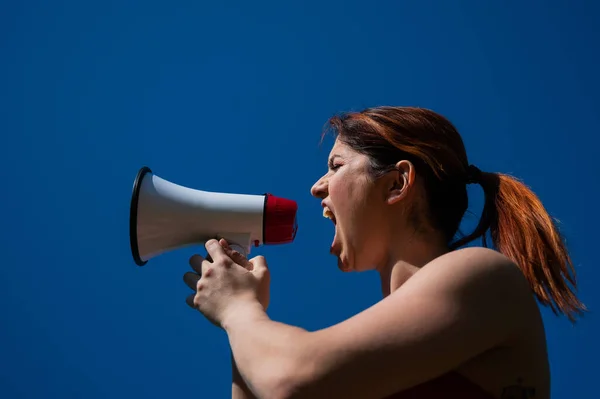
x=280 y=224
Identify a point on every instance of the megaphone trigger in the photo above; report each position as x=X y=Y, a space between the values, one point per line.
x=235 y=242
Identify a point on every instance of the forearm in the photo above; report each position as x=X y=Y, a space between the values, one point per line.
x=239 y=388
x=267 y=353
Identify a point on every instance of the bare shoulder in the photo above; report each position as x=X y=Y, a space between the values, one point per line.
x=490 y=288
x=475 y=282
x=475 y=267
x=476 y=260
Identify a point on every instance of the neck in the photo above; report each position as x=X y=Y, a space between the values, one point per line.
x=405 y=259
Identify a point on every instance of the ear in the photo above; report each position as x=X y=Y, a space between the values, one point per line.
x=403 y=178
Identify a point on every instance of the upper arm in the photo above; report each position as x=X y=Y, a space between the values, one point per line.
x=455 y=308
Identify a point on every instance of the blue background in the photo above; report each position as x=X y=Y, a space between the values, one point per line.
x=231 y=97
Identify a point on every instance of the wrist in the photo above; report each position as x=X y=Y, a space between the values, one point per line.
x=243 y=312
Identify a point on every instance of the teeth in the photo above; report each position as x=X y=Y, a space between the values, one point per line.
x=327 y=213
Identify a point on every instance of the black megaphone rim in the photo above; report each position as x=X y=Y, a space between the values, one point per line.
x=133 y=215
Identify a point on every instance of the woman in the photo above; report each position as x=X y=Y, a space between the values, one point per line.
x=454 y=322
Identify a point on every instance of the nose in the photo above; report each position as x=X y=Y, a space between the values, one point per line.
x=320 y=188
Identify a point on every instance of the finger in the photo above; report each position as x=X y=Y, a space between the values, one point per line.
x=191 y=279
x=190 y=301
x=207 y=269
x=196 y=263
x=217 y=252
x=236 y=256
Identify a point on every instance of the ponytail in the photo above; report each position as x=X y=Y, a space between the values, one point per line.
x=522 y=230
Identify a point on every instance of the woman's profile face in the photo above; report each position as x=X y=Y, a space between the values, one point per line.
x=358 y=209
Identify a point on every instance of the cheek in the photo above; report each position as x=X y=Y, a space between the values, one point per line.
x=351 y=203
x=338 y=191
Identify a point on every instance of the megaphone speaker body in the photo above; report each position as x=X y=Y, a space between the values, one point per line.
x=165 y=216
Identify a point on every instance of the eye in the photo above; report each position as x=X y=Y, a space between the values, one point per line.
x=334 y=166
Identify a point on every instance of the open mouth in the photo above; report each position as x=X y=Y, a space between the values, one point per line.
x=335 y=248
x=328 y=214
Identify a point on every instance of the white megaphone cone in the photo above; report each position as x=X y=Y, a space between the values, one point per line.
x=165 y=216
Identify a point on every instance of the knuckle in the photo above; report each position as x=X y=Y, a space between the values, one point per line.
x=227 y=262
x=262 y=262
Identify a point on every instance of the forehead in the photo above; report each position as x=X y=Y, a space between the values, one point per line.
x=339 y=148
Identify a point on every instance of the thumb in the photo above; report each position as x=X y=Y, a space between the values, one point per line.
x=260 y=267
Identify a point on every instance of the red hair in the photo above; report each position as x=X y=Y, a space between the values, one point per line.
x=519 y=225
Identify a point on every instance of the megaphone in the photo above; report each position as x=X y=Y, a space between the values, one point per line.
x=165 y=216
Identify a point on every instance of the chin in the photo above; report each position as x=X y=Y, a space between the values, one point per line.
x=343 y=266
x=353 y=264
x=347 y=259
x=347 y=265
x=343 y=263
